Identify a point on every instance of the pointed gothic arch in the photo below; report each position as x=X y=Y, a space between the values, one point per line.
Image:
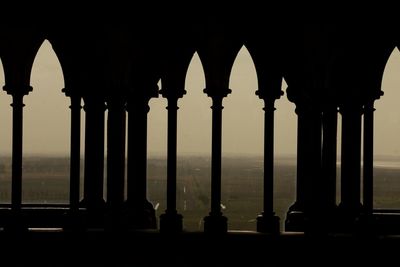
x=194 y=138
x=194 y=116
x=5 y=142
x=246 y=115
x=242 y=117
x=157 y=151
x=44 y=135
x=386 y=131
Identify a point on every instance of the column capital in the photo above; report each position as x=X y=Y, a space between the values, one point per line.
x=369 y=107
x=67 y=91
x=139 y=99
x=20 y=90
x=94 y=103
x=141 y=91
x=116 y=102
x=71 y=92
x=269 y=107
x=351 y=107
x=145 y=107
x=170 y=93
x=269 y=104
x=269 y=94
x=138 y=103
x=375 y=95
x=330 y=107
x=217 y=92
x=305 y=107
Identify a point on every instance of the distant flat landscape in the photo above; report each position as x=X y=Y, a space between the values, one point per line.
x=46 y=180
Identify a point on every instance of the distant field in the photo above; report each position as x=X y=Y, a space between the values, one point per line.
x=45 y=180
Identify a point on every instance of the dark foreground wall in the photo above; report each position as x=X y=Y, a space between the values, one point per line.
x=192 y=249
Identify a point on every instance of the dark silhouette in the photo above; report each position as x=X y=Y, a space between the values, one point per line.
x=329 y=68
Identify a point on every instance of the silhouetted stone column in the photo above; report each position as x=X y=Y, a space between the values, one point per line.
x=298 y=206
x=94 y=154
x=268 y=221
x=116 y=122
x=75 y=150
x=368 y=161
x=329 y=154
x=140 y=211
x=216 y=222
x=308 y=196
x=18 y=94
x=171 y=221
x=351 y=162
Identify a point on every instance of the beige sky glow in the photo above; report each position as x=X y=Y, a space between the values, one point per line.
x=46 y=117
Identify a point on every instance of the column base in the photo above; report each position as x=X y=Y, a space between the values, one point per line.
x=295 y=218
x=215 y=224
x=295 y=221
x=368 y=225
x=348 y=218
x=140 y=217
x=268 y=223
x=18 y=228
x=15 y=223
x=97 y=205
x=171 y=222
x=114 y=219
x=74 y=221
x=317 y=221
x=93 y=215
x=318 y=225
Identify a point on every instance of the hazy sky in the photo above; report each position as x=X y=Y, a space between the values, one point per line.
x=47 y=122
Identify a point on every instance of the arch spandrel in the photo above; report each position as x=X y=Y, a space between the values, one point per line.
x=218 y=44
x=307 y=60
x=266 y=47
x=81 y=54
x=176 y=61
x=358 y=64
x=18 y=52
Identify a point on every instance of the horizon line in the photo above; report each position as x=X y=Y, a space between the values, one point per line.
x=193 y=154
x=150 y=154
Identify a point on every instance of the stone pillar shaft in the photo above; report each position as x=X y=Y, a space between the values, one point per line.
x=116 y=123
x=309 y=133
x=17 y=132
x=94 y=154
x=309 y=197
x=137 y=153
x=329 y=154
x=267 y=221
x=75 y=157
x=171 y=221
x=172 y=155
x=368 y=166
x=17 y=93
x=216 y=156
x=269 y=159
x=351 y=159
x=141 y=212
x=216 y=222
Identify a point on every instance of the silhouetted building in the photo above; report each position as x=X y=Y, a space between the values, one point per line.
x=115 y=67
